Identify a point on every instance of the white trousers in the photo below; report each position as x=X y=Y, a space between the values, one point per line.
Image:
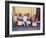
x=28 y=22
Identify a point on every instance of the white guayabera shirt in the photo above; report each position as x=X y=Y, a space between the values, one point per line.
x=20 y=17
x=25 y=18
x=28 y=22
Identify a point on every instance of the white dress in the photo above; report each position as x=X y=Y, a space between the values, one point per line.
x=25 y=18
x=19 y=22
x=34 y=24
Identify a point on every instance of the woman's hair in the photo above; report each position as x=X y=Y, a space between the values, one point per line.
x=27 y=13
x=20 y=14
x=15 y=14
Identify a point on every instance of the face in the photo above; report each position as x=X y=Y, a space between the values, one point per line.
x=19 y=14
x=27 y=14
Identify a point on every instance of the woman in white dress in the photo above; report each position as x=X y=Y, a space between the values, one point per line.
x=34 y=22
x=19 y=20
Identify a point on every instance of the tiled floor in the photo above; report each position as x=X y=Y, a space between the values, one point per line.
x=25 y=28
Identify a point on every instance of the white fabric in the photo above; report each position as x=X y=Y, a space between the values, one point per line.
x=28 y=22
x=34 y=24
x=14 y=18
x=29 y=17
x=19 y=22
x=25 y=18
x=20 y=17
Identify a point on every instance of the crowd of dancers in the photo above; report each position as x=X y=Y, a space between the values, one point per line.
x=25 y=20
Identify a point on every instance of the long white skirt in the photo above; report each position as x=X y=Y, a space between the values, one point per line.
x=19 y=23
x=34 y=24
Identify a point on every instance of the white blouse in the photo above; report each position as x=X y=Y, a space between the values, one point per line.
x=25 y=18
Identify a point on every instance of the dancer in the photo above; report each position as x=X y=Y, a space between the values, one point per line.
x=34 y=22
x=28 y=20
x=24 y=20
x=19 y=20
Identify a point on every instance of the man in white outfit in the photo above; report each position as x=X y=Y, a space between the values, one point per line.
x=28 y=19
x=24 y=20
